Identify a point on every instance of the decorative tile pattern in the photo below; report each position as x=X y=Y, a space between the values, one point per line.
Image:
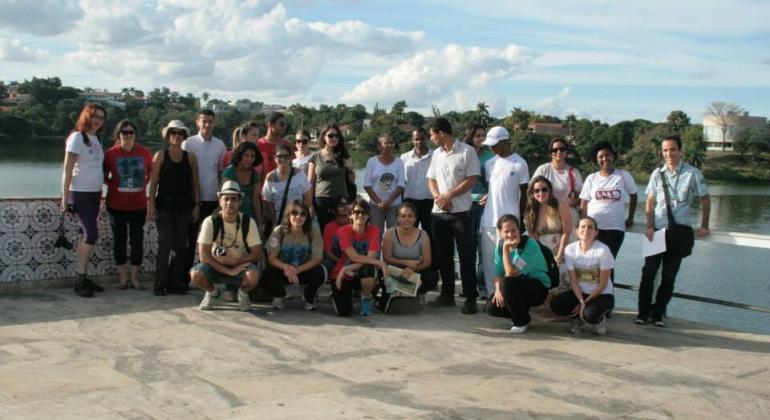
x=29 y=229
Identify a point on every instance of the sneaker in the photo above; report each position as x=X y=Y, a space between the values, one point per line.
x=91 y=285
x=574 y=325
x=600 y=328
x=82 y=290
x=519 y=330
x=659 y=323
x=366 y=306
x=640 y=321
x=244 y=303
x=278 y=303
x=310 y=306
x=442 y=301
x=469 y=308
x=208 y=300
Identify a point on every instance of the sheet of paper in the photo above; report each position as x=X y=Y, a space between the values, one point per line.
x=656 y=246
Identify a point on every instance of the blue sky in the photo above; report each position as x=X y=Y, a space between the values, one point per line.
x=607 y=60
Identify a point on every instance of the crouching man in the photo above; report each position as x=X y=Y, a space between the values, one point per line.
x=229 y=246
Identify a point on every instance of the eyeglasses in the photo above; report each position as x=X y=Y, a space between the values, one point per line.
x=177 y=132
x=296 y=213
x=540 y=190
x=282 y=156
x=127 y=132
x=358 y=212
x=556 y=150
x=332 y=136
x=302 y=141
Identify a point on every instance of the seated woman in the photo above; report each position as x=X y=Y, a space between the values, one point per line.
x=407 y=246
x=589 y=263
x=294 y=256
x=332 y=252
x=521 y=275
x=360 y=248
x=549 y=220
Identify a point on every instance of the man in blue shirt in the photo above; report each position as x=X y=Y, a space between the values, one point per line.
x=685 y=183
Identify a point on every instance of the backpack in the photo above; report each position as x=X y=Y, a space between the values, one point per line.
x=550 y=262
x=219 y=226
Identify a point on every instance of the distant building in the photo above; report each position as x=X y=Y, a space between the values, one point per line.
x=14 y=97
x=712 y=130
x=553 y=129
x=102 y=95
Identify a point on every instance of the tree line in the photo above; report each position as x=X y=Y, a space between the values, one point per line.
x=53 y=109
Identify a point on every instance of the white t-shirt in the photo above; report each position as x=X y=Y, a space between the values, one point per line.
x=88 y=172
x=560 y=180
x=301 y=163
x=415 y=171
x=605 y=197
x=451 y=168
x=272 y=190
x=209 y=155
x=384 y=179
x=587 y=265
x=504 y=176
x=232 y=238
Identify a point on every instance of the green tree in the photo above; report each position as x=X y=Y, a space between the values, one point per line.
x=752 y=141
x=398 y=110
x=3 y=90
x=645 y=155
x=724 y=114
x=694 y=146
x=677 y=121
x=482 y=114
x=532 y=147
x=519 y=119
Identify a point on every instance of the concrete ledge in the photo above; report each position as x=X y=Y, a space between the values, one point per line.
x=128 y=354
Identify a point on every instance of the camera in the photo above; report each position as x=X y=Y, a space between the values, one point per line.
x=62 y=242
x=220 y=251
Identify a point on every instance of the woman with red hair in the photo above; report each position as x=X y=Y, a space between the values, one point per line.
x=81 y=187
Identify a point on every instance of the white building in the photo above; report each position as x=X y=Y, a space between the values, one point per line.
x=712 y=130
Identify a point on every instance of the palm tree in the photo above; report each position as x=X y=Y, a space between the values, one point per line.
x=482 y=112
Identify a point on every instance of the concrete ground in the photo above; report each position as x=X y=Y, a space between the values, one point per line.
x=130 y=355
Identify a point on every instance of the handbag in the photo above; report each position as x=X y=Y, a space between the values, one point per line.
x=680 y=239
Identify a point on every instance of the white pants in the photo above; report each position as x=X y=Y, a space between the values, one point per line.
x=488 y=239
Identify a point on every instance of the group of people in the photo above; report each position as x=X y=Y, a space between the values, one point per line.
x=271 y=213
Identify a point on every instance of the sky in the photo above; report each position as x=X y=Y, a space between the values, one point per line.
x=598 y=59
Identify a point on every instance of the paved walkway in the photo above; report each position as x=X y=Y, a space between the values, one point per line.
x=130 y=355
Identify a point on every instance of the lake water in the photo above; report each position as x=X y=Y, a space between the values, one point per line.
x=714 y=270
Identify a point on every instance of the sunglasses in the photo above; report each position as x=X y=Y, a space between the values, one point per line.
x=177 y=132
x=558 y=149
x=127 y=132
x=296 y=212
x=302 y=141
x=540 y=190
x=332 y=136
x=282 y=156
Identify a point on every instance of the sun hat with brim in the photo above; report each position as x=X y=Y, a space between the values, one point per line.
x=496 y=135
x=174 y=125
x=230 y=187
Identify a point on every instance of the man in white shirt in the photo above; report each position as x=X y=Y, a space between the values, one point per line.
x=416 y=163
x=508 y=177
x=209 y=152
x=453 y=170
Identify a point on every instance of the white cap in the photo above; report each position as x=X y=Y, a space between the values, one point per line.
x=496 y=135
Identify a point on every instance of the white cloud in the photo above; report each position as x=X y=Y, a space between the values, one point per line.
x=445 y=76
x=39 y=17
x=227 y=45
x=13 y=50
x=554 y=105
